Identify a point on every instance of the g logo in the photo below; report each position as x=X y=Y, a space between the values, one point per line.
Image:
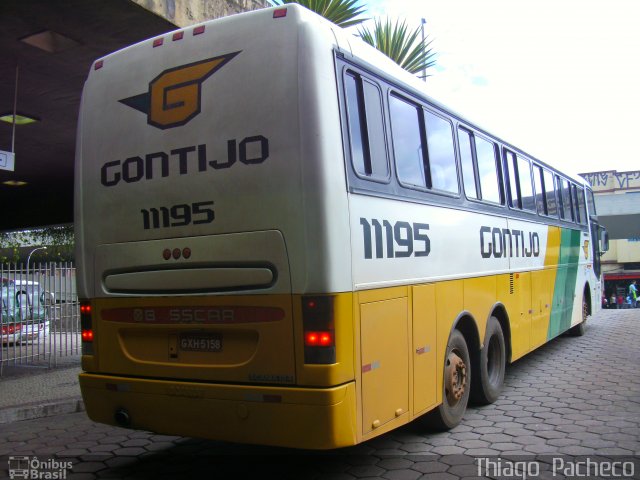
x=174 y=96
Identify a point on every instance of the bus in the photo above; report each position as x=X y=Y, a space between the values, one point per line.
x=282 y=240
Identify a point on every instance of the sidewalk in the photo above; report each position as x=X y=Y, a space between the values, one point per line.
x=28 y=392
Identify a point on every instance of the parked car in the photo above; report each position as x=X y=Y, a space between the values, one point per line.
x=10 y=318
x=24 y=316
x=29 y=287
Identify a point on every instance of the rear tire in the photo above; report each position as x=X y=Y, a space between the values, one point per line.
x=488 y=371
x=456 y=385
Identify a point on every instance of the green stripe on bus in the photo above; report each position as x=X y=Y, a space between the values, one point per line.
x=565 y=286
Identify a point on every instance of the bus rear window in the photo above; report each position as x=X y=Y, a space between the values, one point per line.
x=366 y=127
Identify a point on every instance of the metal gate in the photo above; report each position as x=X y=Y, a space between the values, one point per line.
x=40 y=322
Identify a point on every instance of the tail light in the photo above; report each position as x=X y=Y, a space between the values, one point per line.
x=86 y=326
x=319 y=331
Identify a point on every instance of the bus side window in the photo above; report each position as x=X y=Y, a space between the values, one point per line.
x=512 y=180
x=469 y=174
x=479 y=167
x=441 y=153
x=526 y=188
x=541 y=205
x=591 y=203
x=550 y=194
x=488 y=169
x=408 y=142
x=519 y=181
x=567 y=208
x=366 y=127
x=578 y=204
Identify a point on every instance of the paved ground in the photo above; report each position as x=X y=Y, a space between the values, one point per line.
x=572 y=399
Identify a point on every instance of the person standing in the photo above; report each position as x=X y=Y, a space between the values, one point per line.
x=633 y=293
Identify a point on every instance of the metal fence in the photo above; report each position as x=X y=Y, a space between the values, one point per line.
x=40 y=322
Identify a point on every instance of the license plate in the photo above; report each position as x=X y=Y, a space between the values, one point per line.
x=201 y=343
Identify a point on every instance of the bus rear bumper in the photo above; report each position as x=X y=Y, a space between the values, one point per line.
x=311 y=418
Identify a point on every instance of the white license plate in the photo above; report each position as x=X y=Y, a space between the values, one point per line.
x=200 y=343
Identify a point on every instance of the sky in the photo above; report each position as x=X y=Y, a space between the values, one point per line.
x=559 y=79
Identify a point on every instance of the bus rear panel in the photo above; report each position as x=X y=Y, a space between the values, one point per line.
x=201 y=316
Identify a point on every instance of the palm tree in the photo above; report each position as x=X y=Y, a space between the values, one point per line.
x=341 y=12
x=402 y=46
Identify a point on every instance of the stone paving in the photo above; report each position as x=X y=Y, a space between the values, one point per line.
x=573 y=399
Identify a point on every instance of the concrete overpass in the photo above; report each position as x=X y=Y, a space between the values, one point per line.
x=46 y=49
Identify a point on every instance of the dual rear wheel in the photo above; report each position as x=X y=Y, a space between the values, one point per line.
x=480 y=380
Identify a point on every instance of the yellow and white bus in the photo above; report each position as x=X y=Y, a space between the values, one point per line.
x=282 y=240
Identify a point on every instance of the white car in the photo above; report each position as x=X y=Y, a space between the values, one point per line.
x=24 y=316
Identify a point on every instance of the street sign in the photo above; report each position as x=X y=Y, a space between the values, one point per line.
x=7 y=161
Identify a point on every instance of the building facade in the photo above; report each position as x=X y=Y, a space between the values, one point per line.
x=621 y=264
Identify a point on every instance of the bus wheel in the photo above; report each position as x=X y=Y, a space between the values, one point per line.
x=488 y=371
x=580 y=329
x=457 y=376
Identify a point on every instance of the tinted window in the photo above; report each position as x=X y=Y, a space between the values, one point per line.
x=564 y=195
x=366 y=127
x=550 y=194
x=355 y=114
x=591 y=203
x=468 y=170
x=581 y=205
x=541 y=205
x=407 y=141
x=526 y=189
x=578 y=204
x=441 y=153
x=486 y=155
x=514 y=197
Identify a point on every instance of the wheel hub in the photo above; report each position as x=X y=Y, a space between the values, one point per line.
x=455 y=378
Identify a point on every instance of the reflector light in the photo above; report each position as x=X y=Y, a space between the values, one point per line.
x=198 y=30
x=186 y=252
x=98 y=65
x=87 y=335
x=166 y=254
x=176 y=253
x=280 y=13
x=177 y=36
x=157 y=42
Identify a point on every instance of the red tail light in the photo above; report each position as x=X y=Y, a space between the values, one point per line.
x=319 y=332
x=86 y=327
x=87 y=335
x=318 y=339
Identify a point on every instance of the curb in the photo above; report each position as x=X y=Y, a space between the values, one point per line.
x=48 y=409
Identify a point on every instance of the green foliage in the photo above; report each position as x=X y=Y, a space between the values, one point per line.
x=16 y=246
x=341 y=12
x=401 y=45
